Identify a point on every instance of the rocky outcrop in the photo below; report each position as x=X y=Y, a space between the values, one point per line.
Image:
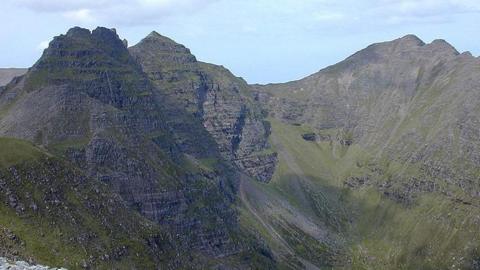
x=215 y=98
x=88 y=100
x=21 y=265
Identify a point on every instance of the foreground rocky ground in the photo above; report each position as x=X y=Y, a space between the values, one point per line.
x=21 y=265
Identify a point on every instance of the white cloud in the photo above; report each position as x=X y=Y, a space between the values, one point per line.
x=129 y=12
x=43 y=45
x=65 y=5
x=259 y=14
x=426 y=8
x=83 y=16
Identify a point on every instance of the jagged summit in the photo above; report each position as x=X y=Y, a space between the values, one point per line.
x=413 y=43
x=440 y=45
x=410 y=40
x=78 y=32
x=163 y=50
x=160 y=40
x=398 y=50
x=157 y=36
x=95 y=62
x=82 y=40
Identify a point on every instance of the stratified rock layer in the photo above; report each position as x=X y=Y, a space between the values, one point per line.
x=89 y=101
x=216 y=99
x=403 y=100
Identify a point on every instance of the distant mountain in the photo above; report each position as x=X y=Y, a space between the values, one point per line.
x=7 y=74
x=403 y=100
x=390 y=158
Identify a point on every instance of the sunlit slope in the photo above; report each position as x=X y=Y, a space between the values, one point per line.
x=324 y=207
x=50 y=214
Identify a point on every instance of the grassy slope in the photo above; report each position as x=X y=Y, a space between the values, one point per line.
x=366 y=229
x=15 y=151
x=63 y=229
x=80 y=222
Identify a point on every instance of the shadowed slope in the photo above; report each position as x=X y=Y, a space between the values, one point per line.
x=388 y=141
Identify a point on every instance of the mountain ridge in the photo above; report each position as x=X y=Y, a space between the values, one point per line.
x=371 y=163
x=404 y=113
x=99 y=111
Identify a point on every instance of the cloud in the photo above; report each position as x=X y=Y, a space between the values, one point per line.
x=260 y=14
x=65 y=5
x=83 y=16
x=43 y=45
x=120 y=12
x=435 y=11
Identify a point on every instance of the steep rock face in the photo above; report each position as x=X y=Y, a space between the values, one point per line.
x=217 y=100
x=383 y=147
x=88 y=100
x=402 y=100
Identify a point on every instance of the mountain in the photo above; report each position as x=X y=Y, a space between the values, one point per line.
x=7 y=74
x=143 y=157
x=383 y=147
x=88 y=101
x=220 y=101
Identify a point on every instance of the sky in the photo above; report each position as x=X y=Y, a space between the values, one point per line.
x=263 y=41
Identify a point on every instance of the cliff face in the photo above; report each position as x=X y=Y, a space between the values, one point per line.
x=88 y=100
x=403 y=100
x=146 y=158
x=215 y=98
x=379 y=152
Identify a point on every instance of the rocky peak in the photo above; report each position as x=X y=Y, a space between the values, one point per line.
x=443 y=47
x=409 y=41
x=164 y=50
x=93 y=62
x=76 y=32
x=80 y=39
x=379 y=52
x=215 y=97
x=108 y=36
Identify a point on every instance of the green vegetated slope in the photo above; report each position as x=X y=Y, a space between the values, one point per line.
x=380 y=154
x=313 y=215
x=51 y=213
